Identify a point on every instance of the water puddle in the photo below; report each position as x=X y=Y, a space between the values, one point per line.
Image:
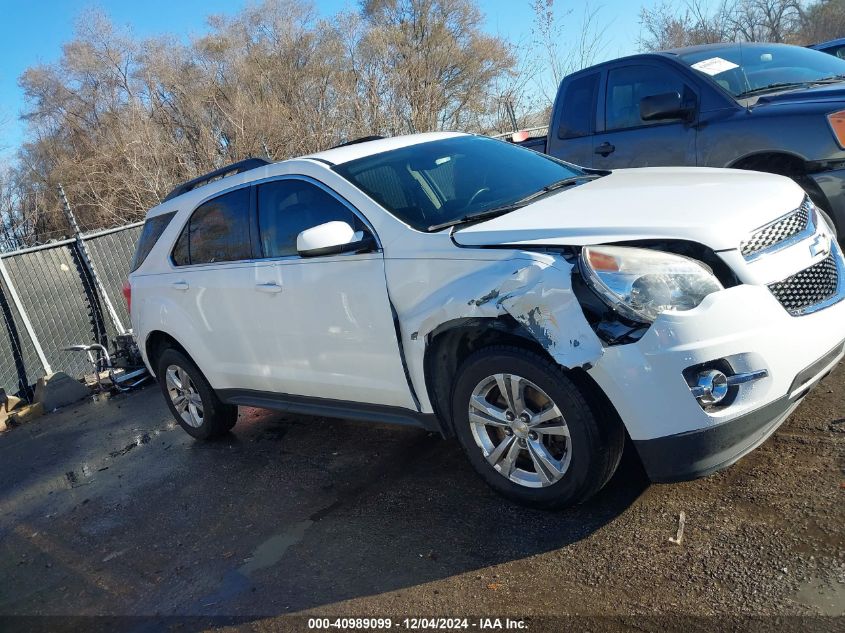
x=271 y=551
x=267 y=554
x=826 y=599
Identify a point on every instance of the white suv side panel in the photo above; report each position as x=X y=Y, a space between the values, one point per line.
x=328 y=330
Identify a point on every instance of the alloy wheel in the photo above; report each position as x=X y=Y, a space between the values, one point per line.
x=184 y=395
x=520 y=430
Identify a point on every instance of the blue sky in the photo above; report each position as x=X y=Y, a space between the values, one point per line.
x=32 y=32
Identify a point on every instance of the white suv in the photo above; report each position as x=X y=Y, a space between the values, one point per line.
x=536 y=310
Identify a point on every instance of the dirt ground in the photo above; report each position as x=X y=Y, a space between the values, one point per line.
x=108 y=508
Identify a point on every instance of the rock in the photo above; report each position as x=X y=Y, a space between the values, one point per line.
x=58 y=390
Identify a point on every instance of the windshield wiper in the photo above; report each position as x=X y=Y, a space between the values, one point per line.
x=771 y=88
x=481 y=215
x=513 y=206
x=829 y=80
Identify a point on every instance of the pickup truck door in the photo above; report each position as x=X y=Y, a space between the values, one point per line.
x=624 y=139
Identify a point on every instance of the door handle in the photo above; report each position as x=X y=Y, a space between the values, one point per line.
x=180 y=285
x=605 y=149
x=271 y=286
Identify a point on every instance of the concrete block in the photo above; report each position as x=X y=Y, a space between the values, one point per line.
x=59 y=390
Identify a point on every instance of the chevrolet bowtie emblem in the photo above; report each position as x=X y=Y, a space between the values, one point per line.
x=820 y=245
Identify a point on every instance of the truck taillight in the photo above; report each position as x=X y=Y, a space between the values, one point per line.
x=127 y=294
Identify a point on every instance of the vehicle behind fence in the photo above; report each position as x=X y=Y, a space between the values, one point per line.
x=49 y=301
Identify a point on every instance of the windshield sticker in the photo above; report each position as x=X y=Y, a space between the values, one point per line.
x=714 y=66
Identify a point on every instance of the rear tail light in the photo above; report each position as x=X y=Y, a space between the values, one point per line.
x=127 y=294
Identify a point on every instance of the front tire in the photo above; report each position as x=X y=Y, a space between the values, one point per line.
x=192 y=400
x=528 y=430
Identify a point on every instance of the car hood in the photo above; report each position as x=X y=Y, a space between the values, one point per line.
x=715 y=207
x=825 y=93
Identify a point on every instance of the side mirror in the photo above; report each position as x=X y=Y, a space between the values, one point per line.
x=664 y=107
x=333 y=238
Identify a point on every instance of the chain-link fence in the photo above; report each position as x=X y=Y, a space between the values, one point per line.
x=49 y=300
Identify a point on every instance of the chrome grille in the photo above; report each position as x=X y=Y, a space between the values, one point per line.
x=777 y=232
x=808 y=287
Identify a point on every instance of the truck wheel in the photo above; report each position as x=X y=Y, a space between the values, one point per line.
x=191 y=399
x=529 y=431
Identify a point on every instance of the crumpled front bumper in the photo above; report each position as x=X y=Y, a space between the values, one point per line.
x=674 y=436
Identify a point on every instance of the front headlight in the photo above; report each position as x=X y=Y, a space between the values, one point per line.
x=640 y=283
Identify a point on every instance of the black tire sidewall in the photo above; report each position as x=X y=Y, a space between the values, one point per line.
x=218 y=418
x=576 y=482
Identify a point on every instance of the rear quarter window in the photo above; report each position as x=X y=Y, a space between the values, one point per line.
x=153 y=228
x=579 y=107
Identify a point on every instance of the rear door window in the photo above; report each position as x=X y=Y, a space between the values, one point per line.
x=153 y=228
x=289 y=206
x=218 y=231
x=579 y=107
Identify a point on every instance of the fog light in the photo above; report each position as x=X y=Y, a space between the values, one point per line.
x=711 y=387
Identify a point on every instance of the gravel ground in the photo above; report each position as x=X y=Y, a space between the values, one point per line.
x=108 y=508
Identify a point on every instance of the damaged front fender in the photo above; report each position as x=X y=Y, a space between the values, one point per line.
x=536 y=290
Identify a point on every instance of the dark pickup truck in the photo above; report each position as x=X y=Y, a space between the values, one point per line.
x=766 y=107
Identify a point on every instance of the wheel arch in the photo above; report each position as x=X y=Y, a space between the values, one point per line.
x=449 y=344
x=784 y=163
x=158 y=341
x=772 y=157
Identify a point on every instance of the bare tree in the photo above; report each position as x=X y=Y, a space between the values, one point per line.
x=437 y=63
x=822 y=21
x=671 y=25
x=557 y=55
x=119 y=120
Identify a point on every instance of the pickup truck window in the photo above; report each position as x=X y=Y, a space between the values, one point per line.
x=289 y=206
x=750 y=69
x=629 y=85
x=579 y=107
x=434 y=183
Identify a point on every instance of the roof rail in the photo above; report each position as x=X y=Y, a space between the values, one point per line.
x=229 y=170
x=363 y=139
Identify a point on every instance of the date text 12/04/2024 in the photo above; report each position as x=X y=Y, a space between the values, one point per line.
x=447 y=624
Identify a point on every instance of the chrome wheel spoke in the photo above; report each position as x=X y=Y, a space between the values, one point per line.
x=508 y=462
x=171 y=378
x=546 y=415
x=482 y=412
x=184 y=379
x=559 y=428
x=512 y=389
x=194 y=399
x=546 y=466
x=501 y=450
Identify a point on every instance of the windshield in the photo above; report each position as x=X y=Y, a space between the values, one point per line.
x=430 y=185
x=745 y=69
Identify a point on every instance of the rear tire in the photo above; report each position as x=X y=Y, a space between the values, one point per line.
x=547 y=448
x=192 y=401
